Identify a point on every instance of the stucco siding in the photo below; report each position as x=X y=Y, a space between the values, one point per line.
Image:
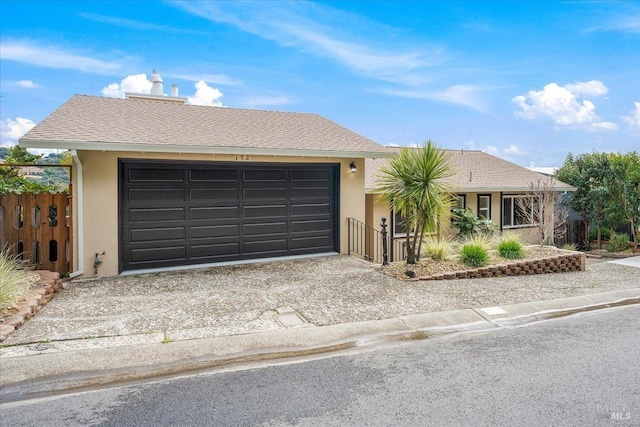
x=100 y=198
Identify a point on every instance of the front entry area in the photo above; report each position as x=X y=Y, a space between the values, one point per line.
x=187 y=213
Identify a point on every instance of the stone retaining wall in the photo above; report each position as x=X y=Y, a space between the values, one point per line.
x=38 y=295
x=553 y=264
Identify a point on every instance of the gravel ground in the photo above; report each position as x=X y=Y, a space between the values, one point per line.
x=243 y=299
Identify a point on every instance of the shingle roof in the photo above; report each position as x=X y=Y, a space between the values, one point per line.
x=476 y=171
x=90 y=122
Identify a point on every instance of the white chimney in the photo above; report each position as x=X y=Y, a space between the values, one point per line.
x=157 y=85
x=174 y=90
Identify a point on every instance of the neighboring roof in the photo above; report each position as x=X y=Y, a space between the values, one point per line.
x=97 y=123
x=476 y=171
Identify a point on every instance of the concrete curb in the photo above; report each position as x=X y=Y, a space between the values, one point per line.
x=26 y=376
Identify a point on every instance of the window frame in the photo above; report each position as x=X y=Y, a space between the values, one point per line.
x=488 y=209
x=514 y=207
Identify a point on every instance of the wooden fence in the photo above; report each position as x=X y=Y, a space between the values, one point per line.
x=37 y=228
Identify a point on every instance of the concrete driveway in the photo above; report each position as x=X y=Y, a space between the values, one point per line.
x=249 y=298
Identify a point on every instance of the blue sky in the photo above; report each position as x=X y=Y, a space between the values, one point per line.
x=526 y=81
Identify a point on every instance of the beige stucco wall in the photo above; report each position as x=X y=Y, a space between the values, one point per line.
x=376 y=210
x=100 y=198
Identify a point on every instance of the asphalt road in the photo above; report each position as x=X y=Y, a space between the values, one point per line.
x=576 y=371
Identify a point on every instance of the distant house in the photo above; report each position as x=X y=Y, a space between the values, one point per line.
x=158 y=183
x=486 y=184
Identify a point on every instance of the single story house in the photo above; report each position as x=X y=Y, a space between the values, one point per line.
x=488 y=185
x=157 y=183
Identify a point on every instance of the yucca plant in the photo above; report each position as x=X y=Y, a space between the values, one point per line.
x=13 y=281
x=510 y=247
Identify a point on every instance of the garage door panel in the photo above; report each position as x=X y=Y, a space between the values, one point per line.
x=214 y=175
x=310 y=175
x=212 y=231
x=230 y=249
x=304 y=209
x=156 y=175
x=164 y=194
x=265 y=246
x=265 y=193
x=214 y=194
x=171 y=253
x=264 y=211
x=263 y=229
x=310 y=192
x=319 y=243
x=157 y=234
x=264 y=175
x=213 y=212
x=141 y=215
x=320 y=226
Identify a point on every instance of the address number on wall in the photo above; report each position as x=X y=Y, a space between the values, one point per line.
x=242 y=157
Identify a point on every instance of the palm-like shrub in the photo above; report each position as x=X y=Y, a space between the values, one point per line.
x=511 y=248
x=412 y=183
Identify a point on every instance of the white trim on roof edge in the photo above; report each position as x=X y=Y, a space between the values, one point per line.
x=194 y=149
x=508 y=191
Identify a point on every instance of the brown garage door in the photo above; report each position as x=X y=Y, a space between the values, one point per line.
x=174 y=214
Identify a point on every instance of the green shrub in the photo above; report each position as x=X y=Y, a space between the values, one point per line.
x=618 y=242
x=14 y=283
x=511 y=248
x=474 y=255
x=437 y=249
x=605 y=233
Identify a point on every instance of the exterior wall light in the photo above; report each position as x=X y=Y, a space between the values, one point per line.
x=352 y=166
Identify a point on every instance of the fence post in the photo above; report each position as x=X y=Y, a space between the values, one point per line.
x=348 y=236
x=385 y=253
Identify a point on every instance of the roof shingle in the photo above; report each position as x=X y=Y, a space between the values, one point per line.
x=476 y=171
x=100 y=121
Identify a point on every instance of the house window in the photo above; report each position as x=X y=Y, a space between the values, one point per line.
x=399 y=226
x=484 y=206
x=459 y=201
x=513 y=215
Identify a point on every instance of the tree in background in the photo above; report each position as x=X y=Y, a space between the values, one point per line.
x=546 y=209
x=54 y=179
x=626 y=176
x=412 y=184
x=606 y=189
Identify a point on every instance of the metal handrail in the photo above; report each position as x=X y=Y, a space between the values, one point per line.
x=369 y=243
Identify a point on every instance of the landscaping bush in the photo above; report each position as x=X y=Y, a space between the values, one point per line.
x=13 y=280
x=511 y=248
x=437 y=249
x=605 y=234
x=618 y=242
x=474 y=255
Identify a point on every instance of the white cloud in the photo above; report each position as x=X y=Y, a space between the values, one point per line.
x=633 y=119
x=457 y=94
x=513 y=150
x=320 y=30
x=205 y=95
x=12 y=130
x=135 y=83
x=392 y=144
x=564 y=106
x=470 y=145
x=54 y=57
x=219 y=79
x=490 y=149
x=594 y=88
x=27 y=84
